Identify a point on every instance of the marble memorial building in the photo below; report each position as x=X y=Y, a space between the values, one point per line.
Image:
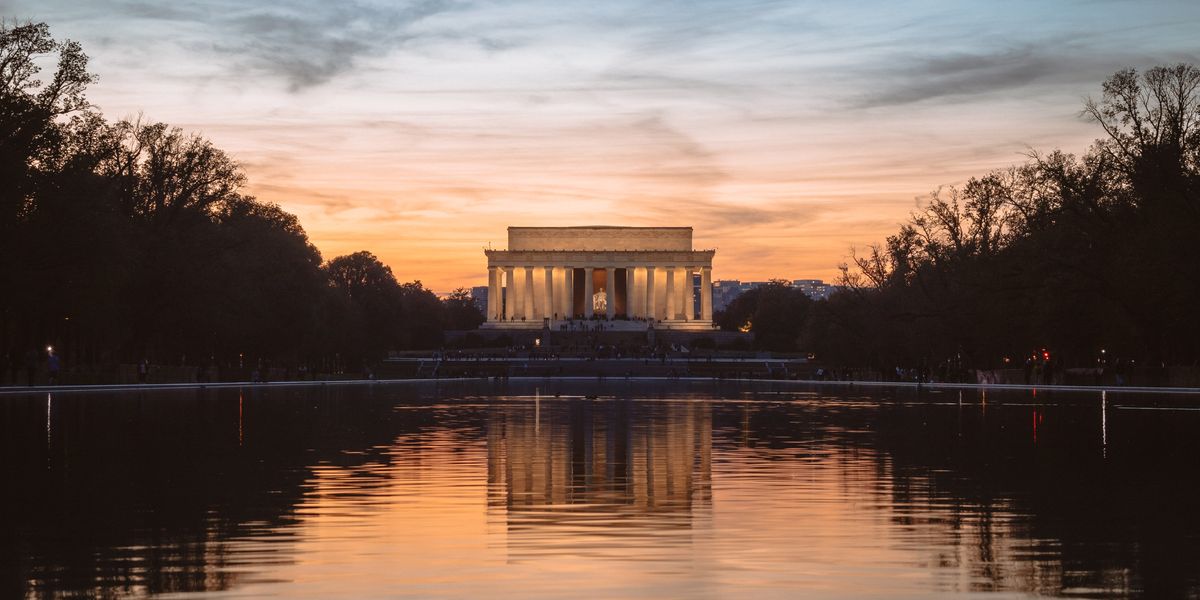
x=630 y=276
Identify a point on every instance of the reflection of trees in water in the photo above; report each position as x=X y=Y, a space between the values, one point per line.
x=1053 y=513
x=606 y=468
x=145 y=493
x=1048 y=512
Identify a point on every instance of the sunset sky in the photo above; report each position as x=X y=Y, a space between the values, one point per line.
x=784 y=132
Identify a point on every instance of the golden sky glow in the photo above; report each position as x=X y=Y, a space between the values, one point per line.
x=784 y=132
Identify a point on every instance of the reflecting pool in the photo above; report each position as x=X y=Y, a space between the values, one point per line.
x=585 y=489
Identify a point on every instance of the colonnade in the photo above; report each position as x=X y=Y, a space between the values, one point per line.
x=659 y=293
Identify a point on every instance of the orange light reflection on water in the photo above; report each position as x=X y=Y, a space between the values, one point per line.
x=636 y=506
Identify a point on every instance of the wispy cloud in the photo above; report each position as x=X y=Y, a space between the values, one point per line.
x=313 y=42
x=959 y=75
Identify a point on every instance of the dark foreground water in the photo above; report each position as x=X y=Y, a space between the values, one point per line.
x=583 y=490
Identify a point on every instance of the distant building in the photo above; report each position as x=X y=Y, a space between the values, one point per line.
x=479 y=295
x=725 y=290
x=815 y=288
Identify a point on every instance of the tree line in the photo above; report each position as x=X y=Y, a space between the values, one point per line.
x=1087 y=259
x=131 y=240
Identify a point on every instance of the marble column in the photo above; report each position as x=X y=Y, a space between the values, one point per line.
x=588 y=292
x=706 y=293
x=639 y=288
x=569 y=292
x=510 y=293
x=519 y=297
x=672 y=306
x=610 y=293
x=630 y=284
x=649 y=308
x=555 y=291
x=549 y=309
x=689 y=299
x=529 y=298
x=492 y=300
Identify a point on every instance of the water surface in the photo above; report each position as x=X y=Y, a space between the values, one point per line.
x=599 y=490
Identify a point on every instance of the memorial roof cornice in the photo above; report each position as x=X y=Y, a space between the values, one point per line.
x=491 y=250
x=599 y=258
x=595 y=227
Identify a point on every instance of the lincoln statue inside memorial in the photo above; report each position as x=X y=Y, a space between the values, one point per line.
x=634 y=277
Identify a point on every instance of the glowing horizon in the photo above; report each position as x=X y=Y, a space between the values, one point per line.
x=784 y=133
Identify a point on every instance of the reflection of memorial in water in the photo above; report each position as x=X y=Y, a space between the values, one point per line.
x=609 y=472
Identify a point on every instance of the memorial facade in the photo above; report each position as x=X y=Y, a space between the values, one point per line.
x=634 y=277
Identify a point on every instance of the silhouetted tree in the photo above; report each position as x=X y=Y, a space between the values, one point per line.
x=424 y=317
x=1072 y=253
x=30 y=108
x=461 y=311
x=265 y=285
x=134 y=239
x=372 y=302
x=31 y=142
x=774 y=312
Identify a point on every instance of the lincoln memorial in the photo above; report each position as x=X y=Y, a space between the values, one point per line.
x=634 y=277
